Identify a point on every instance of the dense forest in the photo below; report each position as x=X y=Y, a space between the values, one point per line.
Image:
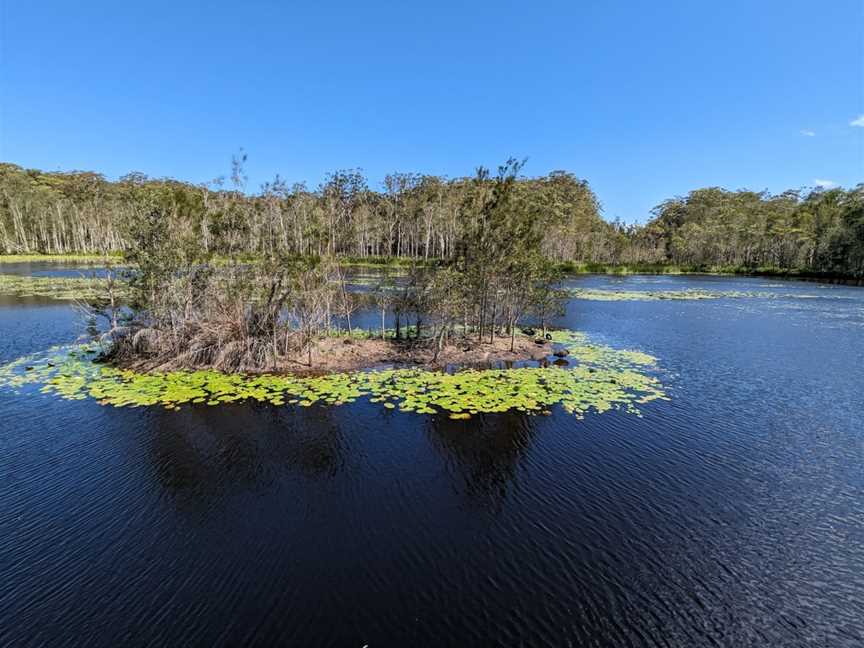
x=424 y=217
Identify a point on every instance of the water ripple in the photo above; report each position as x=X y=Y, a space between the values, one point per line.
x=732 y=515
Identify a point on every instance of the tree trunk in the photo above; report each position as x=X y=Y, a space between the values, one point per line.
x=494 y=315
x=482 y=317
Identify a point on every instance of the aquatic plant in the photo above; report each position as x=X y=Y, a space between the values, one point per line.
x=603 y=378
x=60 y=288
x=595 y=294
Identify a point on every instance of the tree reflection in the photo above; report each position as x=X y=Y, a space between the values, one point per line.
x=203 y=454
x=485 y=452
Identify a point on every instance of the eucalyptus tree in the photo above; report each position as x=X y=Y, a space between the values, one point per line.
x=341 y=195
x=428 y=217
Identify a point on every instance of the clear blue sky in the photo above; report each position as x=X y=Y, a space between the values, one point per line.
x=646 y=100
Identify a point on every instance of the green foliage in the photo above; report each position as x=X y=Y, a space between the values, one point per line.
x=603 y=379
x=421 y=217
x=414 y=217
x=818 y=232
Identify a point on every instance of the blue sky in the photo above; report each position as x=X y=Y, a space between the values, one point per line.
x=646 y=100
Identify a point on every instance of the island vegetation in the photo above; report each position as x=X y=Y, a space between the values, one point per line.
x=191 y=295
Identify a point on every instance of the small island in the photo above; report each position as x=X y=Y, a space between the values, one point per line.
x=216 y=298
x=186 y=299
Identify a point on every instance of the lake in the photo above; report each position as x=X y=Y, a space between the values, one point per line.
x=730 y=515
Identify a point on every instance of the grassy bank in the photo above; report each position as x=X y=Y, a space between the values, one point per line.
x=571 y=267
x=577 y=267
x=59 y=258
x=386 y=262
x=674 y=269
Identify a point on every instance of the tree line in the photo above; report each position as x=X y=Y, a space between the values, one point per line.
x=412 y=215
x=818 y=231
x=424 y=217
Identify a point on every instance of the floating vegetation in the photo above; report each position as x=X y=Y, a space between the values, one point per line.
x=87 y=259
x=62 y=288
x=89 y=287
x=656 y=295
x=602 y=379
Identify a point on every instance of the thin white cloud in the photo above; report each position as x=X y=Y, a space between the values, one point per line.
x=824 y=184
x=808 y=133
x=858 y=121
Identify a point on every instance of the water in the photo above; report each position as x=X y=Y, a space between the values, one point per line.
x=732 y=515
x=53 y=269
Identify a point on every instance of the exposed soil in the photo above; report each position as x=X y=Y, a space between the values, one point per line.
x=341 y=354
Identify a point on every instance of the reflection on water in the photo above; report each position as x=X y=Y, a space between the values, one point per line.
x=201 y=453
x=483 y=454
x=731 y=515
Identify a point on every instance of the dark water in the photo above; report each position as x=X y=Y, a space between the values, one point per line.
x=732 y=515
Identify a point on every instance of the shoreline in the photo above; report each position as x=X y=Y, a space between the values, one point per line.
x=345 y=354
x=714 y=271
x=568 y=267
